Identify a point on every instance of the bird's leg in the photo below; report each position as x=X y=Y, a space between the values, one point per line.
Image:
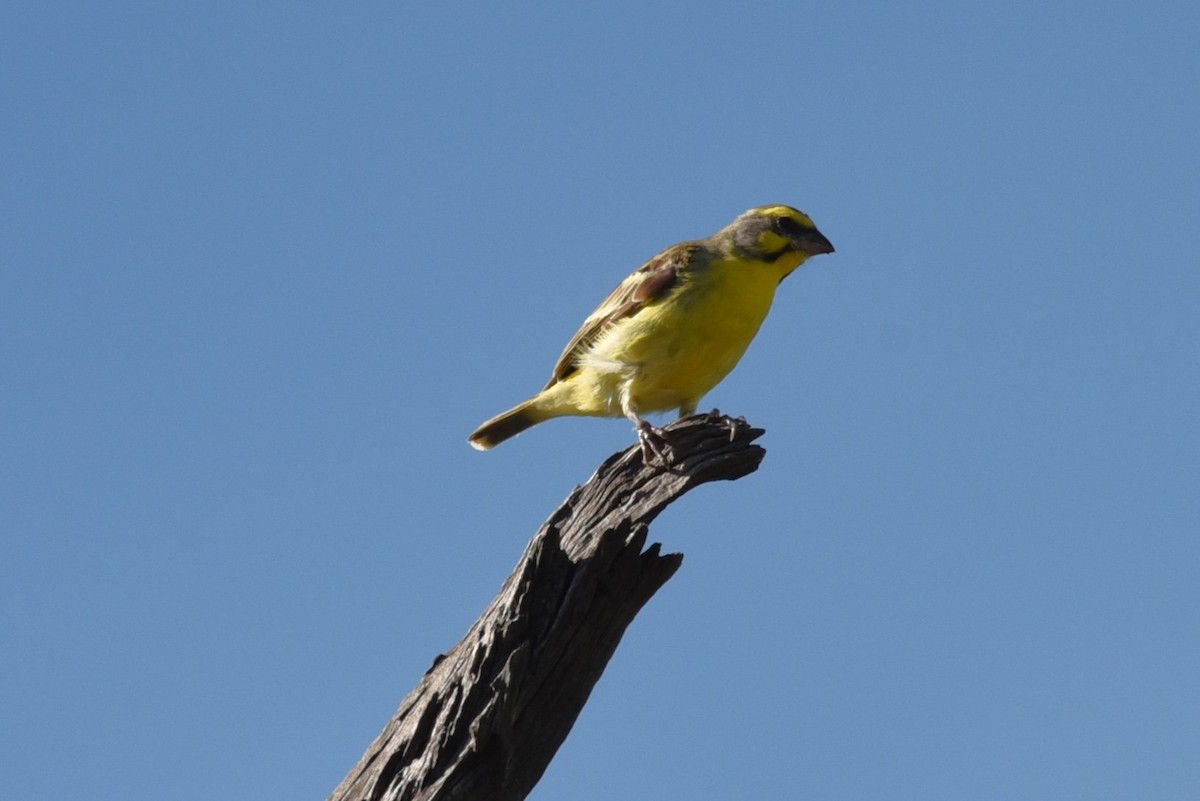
x=653 y=443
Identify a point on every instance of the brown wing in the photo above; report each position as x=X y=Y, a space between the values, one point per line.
x=646 y=284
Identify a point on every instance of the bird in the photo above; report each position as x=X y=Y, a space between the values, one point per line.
x=672 y=330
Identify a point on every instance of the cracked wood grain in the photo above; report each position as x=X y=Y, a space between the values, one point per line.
x=488 y=716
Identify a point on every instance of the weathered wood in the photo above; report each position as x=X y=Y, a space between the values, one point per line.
x=487 y=717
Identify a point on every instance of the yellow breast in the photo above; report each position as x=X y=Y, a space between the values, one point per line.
x=674 y=351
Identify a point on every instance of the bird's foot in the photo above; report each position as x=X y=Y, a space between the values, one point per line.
x=654 y=444
x=715 y=416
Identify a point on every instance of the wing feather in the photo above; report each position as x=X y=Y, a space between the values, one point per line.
x=647 y=284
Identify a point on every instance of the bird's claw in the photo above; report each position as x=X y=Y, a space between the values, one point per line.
x=715 y=417
x=654 y=444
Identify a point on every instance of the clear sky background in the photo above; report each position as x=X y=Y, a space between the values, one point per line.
x=264 y=266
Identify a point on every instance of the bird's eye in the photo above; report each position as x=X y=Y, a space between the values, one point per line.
x=786 y=226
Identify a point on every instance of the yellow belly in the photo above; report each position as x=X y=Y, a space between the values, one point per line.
x=671 y=353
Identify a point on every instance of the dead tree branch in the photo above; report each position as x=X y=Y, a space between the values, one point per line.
x=487 y=717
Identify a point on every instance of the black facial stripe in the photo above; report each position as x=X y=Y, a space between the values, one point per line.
x=789 y=227
x=773 y=256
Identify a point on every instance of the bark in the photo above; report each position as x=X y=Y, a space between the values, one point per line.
x=487 y=717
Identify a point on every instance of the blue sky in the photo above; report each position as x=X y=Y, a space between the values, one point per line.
x=263 y=267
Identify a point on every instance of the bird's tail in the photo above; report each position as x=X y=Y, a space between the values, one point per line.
x=506 y=425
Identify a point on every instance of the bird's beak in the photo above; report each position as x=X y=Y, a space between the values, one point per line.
x=812 y=242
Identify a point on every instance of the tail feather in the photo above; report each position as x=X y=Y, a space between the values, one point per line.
x=505 y=425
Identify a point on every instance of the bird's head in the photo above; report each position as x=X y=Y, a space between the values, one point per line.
x=774 y=234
